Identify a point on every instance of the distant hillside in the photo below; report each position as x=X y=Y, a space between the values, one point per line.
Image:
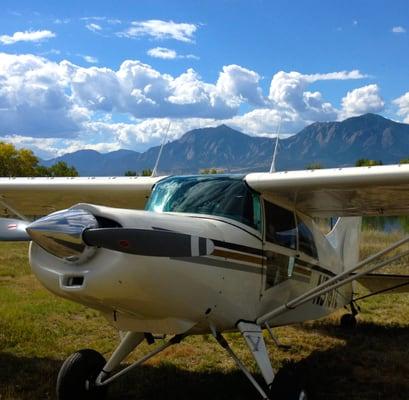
x=342 y=143
x=329 y=143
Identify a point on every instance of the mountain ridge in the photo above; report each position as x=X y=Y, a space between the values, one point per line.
x=329 y=143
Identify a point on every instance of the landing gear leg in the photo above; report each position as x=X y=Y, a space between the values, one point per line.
x=280 y=386
x=88 y=379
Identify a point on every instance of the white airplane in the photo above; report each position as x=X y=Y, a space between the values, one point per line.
x=187 y=255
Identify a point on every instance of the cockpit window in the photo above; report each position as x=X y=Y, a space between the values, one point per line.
x=225 y=196
x=280 y=226
x=306 y=242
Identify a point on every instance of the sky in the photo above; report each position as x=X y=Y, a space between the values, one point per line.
x=108 y=75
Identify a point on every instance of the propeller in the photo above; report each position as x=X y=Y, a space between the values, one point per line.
x=156 y=243
x=13 y=230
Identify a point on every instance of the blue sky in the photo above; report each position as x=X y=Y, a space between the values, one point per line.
x=110 y=75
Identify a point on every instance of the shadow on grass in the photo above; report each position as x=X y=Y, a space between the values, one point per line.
x=34 y=378
x=372 y=365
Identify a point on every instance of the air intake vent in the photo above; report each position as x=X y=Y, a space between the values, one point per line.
x=73 y=281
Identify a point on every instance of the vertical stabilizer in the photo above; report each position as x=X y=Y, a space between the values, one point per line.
x=345 y=238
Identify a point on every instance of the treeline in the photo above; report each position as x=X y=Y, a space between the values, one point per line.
x=22 y=162
x=145 y=172
x=362 y=162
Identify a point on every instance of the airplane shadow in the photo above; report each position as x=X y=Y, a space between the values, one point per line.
x=24 y=378
x=370 y=362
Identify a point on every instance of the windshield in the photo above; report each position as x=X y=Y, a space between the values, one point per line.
x=225 y=196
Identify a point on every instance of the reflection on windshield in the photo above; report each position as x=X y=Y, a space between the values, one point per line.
x=225 y=196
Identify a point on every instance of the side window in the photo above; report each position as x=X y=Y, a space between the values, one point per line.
x=306 y=240
x=280 y=226
x=256 y=211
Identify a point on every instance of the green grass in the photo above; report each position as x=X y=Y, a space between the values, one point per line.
x=38 y=331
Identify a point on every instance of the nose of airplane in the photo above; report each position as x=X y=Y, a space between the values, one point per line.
x=60 y=233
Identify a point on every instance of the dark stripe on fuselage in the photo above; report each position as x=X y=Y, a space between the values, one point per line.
x=261 y=253
x=315 y=267
x=239 y=247
x=219 y=263
x=237 y=256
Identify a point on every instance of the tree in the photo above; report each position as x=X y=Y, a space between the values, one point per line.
x=404 y=161
x=23 y=162
x=130 y=173
x=62 y=169
x=365 y=162
x=314 y=165
x=15 y=162
x=211 y=171
x=146 y=172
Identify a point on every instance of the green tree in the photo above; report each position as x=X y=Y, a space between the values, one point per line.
x=404 y=161
x=146 y=172
x=130 y=173
x=365 y=162
x=62 y=169
x=314 y=165
x=207 y=171
x=15 y=162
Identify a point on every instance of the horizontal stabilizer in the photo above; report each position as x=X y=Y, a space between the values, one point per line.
x=382 y=283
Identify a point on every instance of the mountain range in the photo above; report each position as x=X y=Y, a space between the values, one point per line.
x=329 y=143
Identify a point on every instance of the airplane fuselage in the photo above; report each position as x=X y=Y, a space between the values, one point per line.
x=248 y=273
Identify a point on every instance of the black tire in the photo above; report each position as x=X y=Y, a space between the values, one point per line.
x=288 y=385
x=348 y=321
x=77 y=375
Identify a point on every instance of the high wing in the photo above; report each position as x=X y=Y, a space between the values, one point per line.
x=377 y=190
x=41 y=196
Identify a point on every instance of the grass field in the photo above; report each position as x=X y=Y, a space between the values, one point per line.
x=38 y=331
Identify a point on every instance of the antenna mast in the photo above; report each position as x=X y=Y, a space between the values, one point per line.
x=155 y=168
x=273 y=163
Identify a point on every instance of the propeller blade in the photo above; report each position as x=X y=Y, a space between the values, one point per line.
x=155 y=243
x=13 y=230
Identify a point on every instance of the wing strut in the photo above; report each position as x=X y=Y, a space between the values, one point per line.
x=14 y=211
x=337 y=281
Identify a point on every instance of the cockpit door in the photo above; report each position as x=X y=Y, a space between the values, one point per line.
x=279 y=244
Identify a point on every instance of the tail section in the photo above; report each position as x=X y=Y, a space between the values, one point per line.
x=345 y=237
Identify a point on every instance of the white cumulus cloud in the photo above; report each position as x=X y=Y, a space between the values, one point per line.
x=288 y=92
x=366 y=99
x=403 y=106
x=239 y=85
x=27 y=36
x=40 y=98
x=33 y=98
x=159 y=29
x=162 y=52
x=168 y=54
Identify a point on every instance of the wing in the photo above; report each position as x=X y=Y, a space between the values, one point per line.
x=378 y=190
x=41 y=196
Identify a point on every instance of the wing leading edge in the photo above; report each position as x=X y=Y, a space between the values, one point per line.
x=41 y=196
x=355 y=191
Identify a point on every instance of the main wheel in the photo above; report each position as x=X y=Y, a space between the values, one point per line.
x=348 y=321
x=288 y=385
x=77 y=377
